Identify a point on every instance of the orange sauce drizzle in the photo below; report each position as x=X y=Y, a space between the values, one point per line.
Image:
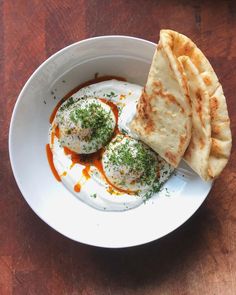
x=86 y=171
x=90 y=159
x=113 y=107
x=51 y=164
x=55 y=132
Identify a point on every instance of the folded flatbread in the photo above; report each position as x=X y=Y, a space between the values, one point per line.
x=163 y=116
x=180 y=68
x=211 y=140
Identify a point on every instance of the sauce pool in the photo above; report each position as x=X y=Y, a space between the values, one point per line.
x=51 y=164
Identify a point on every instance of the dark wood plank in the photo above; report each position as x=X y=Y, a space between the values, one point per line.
x=198 y=258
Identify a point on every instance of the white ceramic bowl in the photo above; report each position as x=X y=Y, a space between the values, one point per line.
x=109 y=55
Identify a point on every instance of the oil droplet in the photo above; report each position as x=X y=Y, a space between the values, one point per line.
x=77 y=187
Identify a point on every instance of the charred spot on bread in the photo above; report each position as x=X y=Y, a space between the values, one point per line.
x=171 y=157
x=202 y=143
x=214 y=105
x=182 y=141
x=144 y=108
x=207 y=80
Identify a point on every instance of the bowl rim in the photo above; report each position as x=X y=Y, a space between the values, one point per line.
x=10 y=138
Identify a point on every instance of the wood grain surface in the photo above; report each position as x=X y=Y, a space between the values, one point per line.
x=198 y=258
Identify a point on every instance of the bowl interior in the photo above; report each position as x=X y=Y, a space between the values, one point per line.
x=112 y=55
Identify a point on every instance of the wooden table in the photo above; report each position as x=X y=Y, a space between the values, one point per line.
x=198 y=258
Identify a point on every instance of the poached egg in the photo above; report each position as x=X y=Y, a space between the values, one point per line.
x=85 y=124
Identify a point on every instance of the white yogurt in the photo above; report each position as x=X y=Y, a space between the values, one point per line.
x=95 y=191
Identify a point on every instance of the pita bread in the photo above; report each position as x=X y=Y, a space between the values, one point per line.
x=211 y=140
x=163 y=116
x=181 y=81
x=200 y=144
